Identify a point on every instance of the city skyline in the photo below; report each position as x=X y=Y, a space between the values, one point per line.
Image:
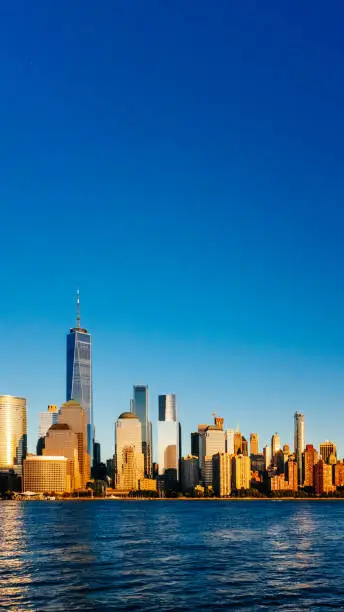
x=204 y=207
x=106 y=451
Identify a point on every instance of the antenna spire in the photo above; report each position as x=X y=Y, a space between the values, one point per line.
x=78 y=309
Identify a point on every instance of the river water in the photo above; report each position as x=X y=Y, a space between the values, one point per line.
x=172 y=555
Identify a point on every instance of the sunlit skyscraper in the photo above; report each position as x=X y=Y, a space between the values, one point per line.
x=140 y=409
x=47 y=419
x=129 y=459
x=299 y=442
x=79 y=374
x=13 y=432
x=168 y=437
x=254 y=450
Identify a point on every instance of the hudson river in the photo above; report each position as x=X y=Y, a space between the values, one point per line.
x=166 y=555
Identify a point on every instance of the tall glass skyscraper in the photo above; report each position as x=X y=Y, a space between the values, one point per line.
x=139 y=407
x=79 y=374
x=13 y=432
x=169 y=443
x=299 y=442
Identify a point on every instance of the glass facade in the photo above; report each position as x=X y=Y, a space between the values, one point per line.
x=140 y=409
x=79 y=377
x=169 y=437
x=13 y=431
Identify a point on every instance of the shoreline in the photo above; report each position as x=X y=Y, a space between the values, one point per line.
x=181 y=499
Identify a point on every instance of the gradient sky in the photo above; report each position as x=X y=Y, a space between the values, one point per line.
x=181 y=163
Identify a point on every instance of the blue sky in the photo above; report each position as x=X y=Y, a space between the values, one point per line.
x=182 y=164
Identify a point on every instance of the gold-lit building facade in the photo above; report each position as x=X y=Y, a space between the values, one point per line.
x=46 y=475
x=310 y=458
x=72 y=414
x=129 y=459
x=323 y=478
x=13 y=431
x=222 y=474
x=254 y=446
x=62 y=441
x=326 y=449
x=241 y=472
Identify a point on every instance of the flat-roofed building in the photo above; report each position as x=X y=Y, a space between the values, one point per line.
x=323 y=478
x=241 y=472
x=46 y=474
x=189 y=473
x=222 y=474
x=326 y=449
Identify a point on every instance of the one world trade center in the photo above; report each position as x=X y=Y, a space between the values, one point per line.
x=79 y=373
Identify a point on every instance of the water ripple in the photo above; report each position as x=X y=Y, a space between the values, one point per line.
x=171 y=556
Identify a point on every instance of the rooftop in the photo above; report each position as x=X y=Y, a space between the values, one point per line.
x=127 y=415
x=61 y=426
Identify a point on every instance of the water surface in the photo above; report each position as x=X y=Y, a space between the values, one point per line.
x=165 y=555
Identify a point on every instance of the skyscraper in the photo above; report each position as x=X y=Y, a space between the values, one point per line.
x=254 y=444
x=310 y=458
x=299 y=442
x=72 y=414
x=222 y=474
x=13 y=432
x=214 y=441
x=326 y=449
x=241 y=472
x=47 y=419
x=129 y=459
x=275 y=445
x=168 y=438
x=79 y=374
x=229 y=441
x=267 y=456
x=140 y=409
x=61 y=441
x=189 y=473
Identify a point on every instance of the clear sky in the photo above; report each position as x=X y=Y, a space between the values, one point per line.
x=181 y=163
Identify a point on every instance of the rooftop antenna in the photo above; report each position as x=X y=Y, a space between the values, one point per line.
x=78 y=309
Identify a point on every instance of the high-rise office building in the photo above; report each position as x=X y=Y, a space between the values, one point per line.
x=244 y=446
x=323 y=477
x=62 y=441
x=96 y=454
x=299 y=442
x=293 y=480
x=310 y=458
x=74 y=415
x=254 y=450
x=189 y=473
x=129 y=458
x=140 y=409
x=47 y=419
x=222 y=474
x=213 y=441
x=326 y=449
x=267 y=455
x=241 y=472
x=230 y=441
x=237 y=442
x=168 y=438
x=13 y=432
x=339 y=474
x=275 y=445
x=79 y=374
x=46 y=475
x=196 y=446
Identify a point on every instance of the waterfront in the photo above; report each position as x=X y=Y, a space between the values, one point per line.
x=163 y=556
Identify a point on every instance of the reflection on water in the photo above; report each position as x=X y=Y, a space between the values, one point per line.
x=171 y=555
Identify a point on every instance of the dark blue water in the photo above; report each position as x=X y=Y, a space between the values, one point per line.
x=110 y=555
